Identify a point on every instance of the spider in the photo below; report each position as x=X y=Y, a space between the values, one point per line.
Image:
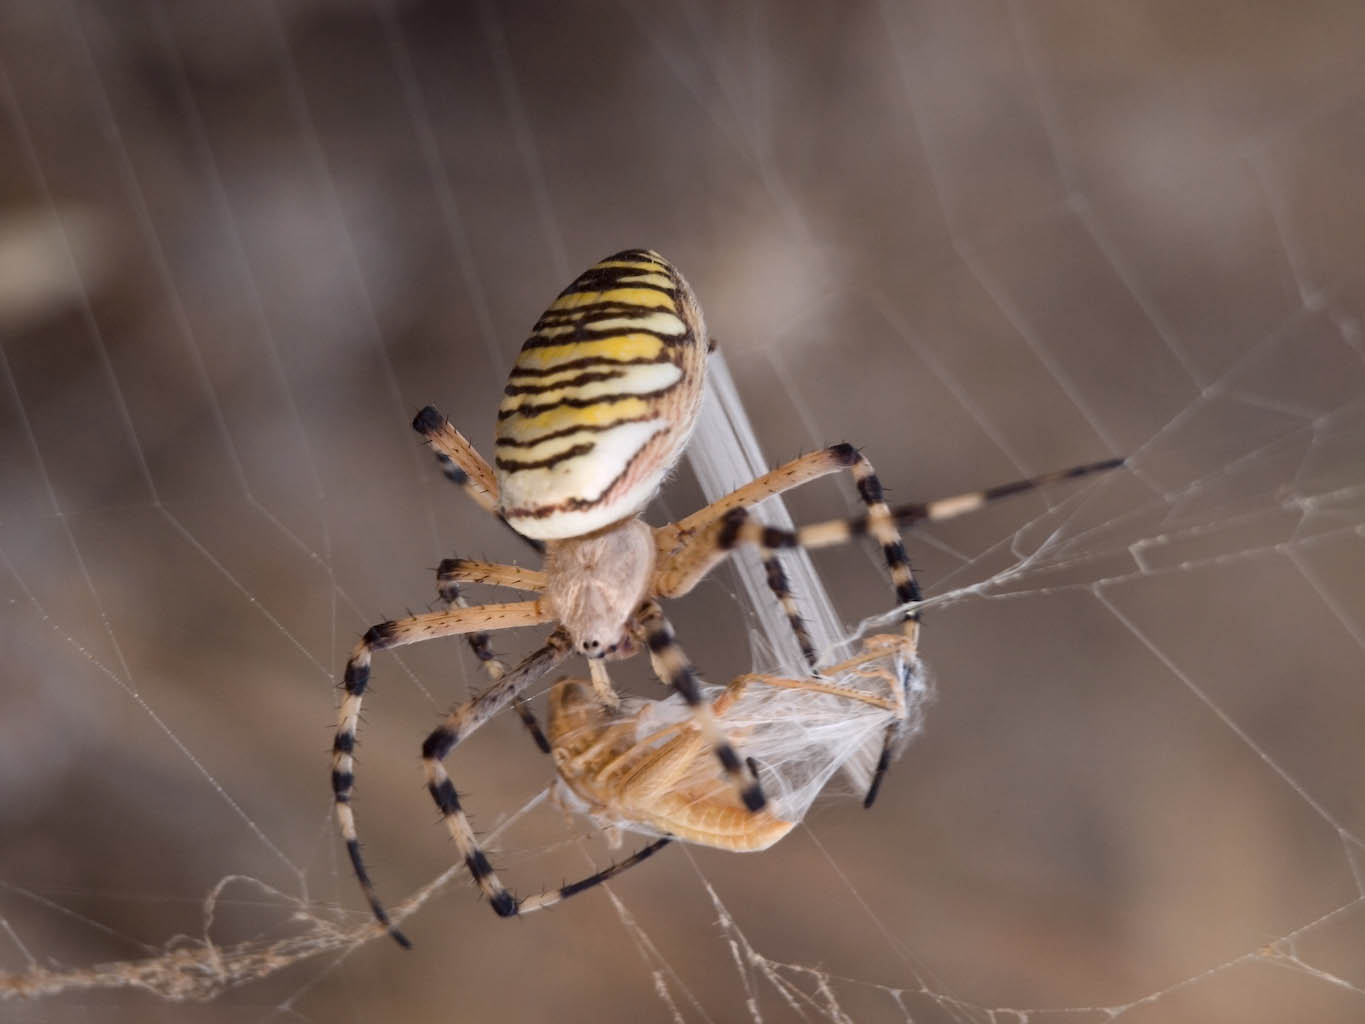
x=596 y=413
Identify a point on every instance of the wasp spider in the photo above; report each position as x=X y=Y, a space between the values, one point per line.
x=596 y=413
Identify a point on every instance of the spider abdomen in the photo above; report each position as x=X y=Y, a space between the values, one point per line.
x=602 y=398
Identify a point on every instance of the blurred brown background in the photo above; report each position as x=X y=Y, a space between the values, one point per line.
x=240 y=244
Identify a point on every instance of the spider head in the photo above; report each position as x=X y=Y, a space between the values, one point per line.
x=595 y=583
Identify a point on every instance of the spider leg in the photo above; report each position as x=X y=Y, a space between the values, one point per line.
x=672 y=666
x=708 y=534
x=782 y=590
x=693 y=547
x=449 y=575
x=949 y=508
x=801 y=470
x=549 y=899
x=697 y=553
x=894 y=703
x=736 y=527
x=462 y=465
x=879 y=773
x=453 y=571
x=459 y=461
x=459 y=724
x=381 y=637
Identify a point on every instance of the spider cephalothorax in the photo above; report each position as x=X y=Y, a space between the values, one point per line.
x=596 y=412
x=595 y=584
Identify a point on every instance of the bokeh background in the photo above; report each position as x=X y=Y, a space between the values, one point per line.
x=240 y=244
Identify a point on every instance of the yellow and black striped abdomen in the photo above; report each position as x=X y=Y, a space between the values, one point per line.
x=602 y=398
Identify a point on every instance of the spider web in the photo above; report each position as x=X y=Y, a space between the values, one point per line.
x=238 y=250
